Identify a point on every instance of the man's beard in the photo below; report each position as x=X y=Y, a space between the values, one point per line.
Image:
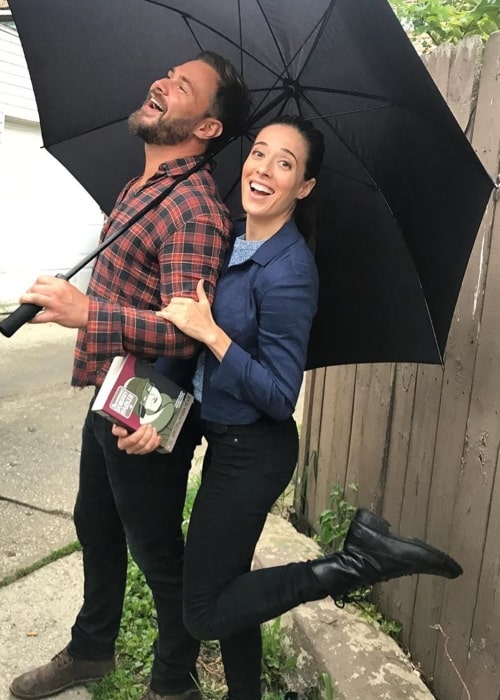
x=163 y=132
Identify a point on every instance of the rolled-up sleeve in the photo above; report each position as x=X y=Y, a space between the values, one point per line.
x=188 y=256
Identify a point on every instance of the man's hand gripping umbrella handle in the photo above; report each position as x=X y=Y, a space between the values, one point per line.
x=23 y=314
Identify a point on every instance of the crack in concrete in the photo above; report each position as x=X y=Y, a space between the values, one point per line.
x=47 y=511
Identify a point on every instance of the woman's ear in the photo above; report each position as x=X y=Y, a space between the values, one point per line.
x=306 y=188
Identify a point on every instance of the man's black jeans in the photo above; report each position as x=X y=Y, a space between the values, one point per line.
x=135 y=500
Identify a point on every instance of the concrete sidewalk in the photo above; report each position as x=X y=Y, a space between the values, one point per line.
x=40 y=423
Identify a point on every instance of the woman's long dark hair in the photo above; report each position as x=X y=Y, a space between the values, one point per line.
x=306 y=213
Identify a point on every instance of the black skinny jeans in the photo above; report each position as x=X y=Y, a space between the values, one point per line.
x=136 y=500
x=245 y=470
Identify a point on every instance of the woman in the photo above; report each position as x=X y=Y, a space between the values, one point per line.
x=246 y=386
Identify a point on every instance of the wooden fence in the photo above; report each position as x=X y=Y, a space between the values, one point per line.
x=423 y=442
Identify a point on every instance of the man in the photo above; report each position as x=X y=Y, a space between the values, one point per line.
x=126 y=499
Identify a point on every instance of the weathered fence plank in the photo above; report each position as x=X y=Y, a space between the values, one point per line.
x=403 y=400
x=336 y=432
x=465 y=68
x=438 y=63
x=482 y=676
x=367 y=461
x=415 y=494
x=314 y=440
x=299 y=497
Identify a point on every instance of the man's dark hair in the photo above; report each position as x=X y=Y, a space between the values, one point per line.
x=232 y=100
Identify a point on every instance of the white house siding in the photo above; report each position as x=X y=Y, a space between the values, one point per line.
x=48 y=222
x=16 y=93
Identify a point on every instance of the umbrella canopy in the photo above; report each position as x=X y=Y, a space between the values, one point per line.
x=401 y=192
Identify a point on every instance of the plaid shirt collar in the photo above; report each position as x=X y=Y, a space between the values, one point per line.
x=172 y=168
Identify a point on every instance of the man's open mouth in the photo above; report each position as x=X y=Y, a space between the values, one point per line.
x=154 y=104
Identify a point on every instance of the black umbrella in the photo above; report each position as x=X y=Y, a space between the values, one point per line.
x=402 y=191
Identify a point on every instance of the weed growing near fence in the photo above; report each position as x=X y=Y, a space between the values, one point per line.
x=333 y=524
x=335 y=520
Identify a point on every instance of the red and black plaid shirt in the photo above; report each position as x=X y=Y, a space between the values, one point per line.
x=164 y=254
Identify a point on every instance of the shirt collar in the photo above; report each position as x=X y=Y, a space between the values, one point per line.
x=285 y=237
x=178 y=166
x=171 y=169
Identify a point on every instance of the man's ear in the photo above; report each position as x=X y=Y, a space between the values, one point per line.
x=208 y=128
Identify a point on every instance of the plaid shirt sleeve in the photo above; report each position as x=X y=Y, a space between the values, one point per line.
x=163 y=255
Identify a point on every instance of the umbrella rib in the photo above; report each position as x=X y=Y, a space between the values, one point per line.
x=350 y=111
x=186 y=17
x=350 y=150
x=351 y=178
x=377 y=98
x=240 y=32
x=273 y=36
x=351 y=93
x=84 y=132
x=323 y=21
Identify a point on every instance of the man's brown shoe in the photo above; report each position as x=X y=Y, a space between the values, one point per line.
x=62 y=672
x=191 y=694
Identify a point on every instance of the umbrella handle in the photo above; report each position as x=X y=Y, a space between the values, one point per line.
x=23 y=314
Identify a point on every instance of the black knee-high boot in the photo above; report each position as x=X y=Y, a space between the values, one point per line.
x=372 y=554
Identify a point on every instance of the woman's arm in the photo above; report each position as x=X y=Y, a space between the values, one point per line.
x=194 y=318
x=271 y=378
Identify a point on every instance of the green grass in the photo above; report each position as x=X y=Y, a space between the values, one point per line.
x=53 y=556
x=278 y=663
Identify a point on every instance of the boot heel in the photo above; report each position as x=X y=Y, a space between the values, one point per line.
x=371 y=520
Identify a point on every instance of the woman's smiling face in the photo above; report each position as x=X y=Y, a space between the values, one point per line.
x=272 y=177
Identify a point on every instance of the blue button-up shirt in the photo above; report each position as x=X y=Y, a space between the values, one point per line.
x=266 y=306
